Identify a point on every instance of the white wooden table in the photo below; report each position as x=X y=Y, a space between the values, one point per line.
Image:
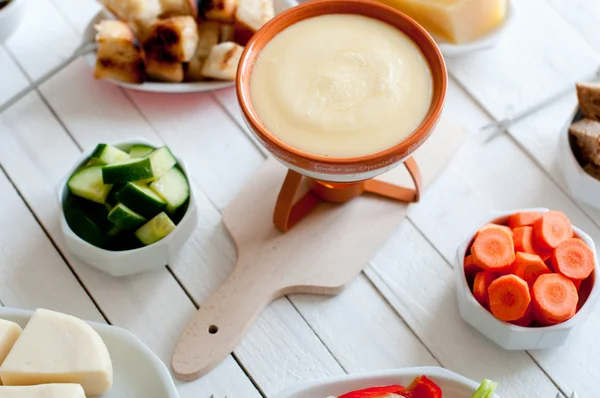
x=400 y=312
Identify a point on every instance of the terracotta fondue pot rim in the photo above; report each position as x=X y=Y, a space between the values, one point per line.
x=361 y=7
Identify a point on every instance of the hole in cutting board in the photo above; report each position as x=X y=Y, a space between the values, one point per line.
x=212 y=329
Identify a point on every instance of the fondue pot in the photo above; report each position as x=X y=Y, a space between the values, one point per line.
x=340 y=179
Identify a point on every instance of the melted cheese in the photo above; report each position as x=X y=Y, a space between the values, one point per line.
x=341 y=86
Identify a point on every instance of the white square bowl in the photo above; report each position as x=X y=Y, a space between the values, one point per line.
x=128 y=262
x=582 y=186
x=453 y=385
x=507 y=335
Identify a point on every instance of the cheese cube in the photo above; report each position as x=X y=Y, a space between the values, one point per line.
x=458 y=21
x=58 y=348
x=9 y=333
x=43 y=391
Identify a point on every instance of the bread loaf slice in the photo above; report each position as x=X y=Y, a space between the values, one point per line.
x=118 y=56
x=220 y=10
x=222 y=62
x=175 y=8
x=588 y=95
x=250 y=16
x=172 y=40
x=134 y=10
x=208 y=37
x=587 y=133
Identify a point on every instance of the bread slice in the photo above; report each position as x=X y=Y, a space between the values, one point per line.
x=250 y=16
x=222 y=62
x=174 y=8
x=588 y=95
x=227 y=32
x=587 y=133
x=134 y=10
x=118 y=57
x=172 y=40
x=162 y=71
x=220 y=10
x=208 y=37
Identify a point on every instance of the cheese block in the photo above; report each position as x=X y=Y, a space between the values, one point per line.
x=458 y=21
x=63 y=390
x=9 y=333
x=58 y=348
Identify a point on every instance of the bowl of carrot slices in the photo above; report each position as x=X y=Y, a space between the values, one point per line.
x=526 y=278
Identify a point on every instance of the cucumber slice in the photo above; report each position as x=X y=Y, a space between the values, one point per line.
x=152 y=167
x=140 y=151
x=108 y=154
x=85 y=228
x=126 y=240
x=88 y=183
x=94 y=211
x=125 y=218
x=173 y=187
x=155 y=229
x=141 y=199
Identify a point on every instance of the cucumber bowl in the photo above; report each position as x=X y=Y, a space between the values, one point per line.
x=135 y=224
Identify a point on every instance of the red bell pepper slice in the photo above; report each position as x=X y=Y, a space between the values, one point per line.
x=422 y=387
x=374 y=392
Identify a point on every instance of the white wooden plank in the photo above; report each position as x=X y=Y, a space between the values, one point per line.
x=499 y=176
x=420 y=285
x=583 y=15
x=540 y=55
x=9 y=87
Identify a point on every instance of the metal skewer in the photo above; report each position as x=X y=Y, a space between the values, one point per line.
x=502 y=125
x=84 y=48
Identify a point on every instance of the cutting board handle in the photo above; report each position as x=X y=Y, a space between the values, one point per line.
x=221 y=323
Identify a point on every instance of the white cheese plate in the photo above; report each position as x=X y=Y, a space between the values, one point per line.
x=137 y=371
x=452 y=384
x=448 y=49
x=89 y=35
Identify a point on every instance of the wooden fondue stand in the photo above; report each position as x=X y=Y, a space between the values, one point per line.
x=324 y=252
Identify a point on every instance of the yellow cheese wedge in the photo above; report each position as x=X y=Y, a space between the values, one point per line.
x=43 y=391
x=58 y=348
x=9 y=333
x=458 y=21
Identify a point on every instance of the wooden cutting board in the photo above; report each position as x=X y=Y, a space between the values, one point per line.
x=320 y=255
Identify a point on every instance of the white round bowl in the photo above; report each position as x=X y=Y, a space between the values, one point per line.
x=448 y=49
x=127 y=262
x=453 y=385
x=507 y=335
x=582 y=186
x=11 y=17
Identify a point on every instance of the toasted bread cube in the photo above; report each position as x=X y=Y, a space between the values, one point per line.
x=117 y=57
x=222 y=62
x=227 y=33
x=253 y=14
x=208 y=37
x=162 y=71
x=587 y=132
x=174 y=8
x=220 y=10
x=172 y=40
x=588 y=95
x=134 y=10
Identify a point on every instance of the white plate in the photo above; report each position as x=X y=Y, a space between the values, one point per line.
x=448 y=49
x=195 y=87
x=137 y=372
x=452 y=384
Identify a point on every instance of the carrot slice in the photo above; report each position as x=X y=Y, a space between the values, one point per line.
x=529 y=267
x=545 y=254
x=493 y=250
x=480 y=286
x=523 y=219
x=523 y=239
x=492 y=225
x=574 y=259
x=470 y=268
x=552 y=229
x=554 y=299
x=577 y=283
x=509 y=297
x=527 y=319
